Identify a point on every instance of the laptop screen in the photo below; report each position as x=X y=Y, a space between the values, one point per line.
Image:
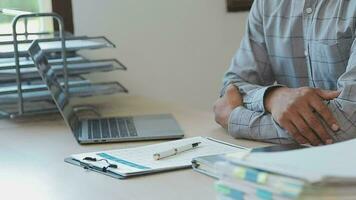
x=49 y=77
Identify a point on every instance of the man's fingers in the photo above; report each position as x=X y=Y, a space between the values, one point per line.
x=315 y=124
x=305 y=130
x=328 y=94
x=325 y=113
x=297 y=136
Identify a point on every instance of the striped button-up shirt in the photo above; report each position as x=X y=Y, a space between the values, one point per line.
x=294 y=43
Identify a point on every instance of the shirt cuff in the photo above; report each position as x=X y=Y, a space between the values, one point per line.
x=252 y=125
x=239 y=121
x=254 y=99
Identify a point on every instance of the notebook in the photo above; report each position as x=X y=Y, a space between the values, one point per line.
x=140 y=160
x=207 y=164
x=233 y=176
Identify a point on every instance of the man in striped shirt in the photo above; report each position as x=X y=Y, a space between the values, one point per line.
x=293 y=78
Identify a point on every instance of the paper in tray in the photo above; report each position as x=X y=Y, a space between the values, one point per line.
x=72 y=44
x=75 y=90
x=74 y=68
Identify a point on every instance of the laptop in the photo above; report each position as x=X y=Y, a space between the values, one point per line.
x=102 y=130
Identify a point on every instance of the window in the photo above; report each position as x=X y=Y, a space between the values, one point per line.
x=62 y=7
x=35 y=24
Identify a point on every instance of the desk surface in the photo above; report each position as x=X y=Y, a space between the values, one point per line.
x=32 y=153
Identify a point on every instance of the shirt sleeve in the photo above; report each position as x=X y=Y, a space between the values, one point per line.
x=253 y=125
x=250 y=69
x=344 y=107
x=251 y=72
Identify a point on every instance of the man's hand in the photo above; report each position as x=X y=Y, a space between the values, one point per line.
x=226 y=104
x=296 y=111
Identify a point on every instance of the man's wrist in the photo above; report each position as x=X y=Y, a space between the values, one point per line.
x=270 y=97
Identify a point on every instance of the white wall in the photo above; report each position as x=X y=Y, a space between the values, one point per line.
x=176 y=50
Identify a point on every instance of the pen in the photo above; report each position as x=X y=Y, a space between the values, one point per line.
x=175 y=151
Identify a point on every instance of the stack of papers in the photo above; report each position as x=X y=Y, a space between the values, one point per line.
x=327 y=172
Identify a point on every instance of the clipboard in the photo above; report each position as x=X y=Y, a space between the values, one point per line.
x=139 y=160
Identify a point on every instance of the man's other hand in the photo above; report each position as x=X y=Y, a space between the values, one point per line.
x=297 y=111
x=226 y=104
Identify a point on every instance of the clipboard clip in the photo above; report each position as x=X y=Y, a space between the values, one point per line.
x=103 y=169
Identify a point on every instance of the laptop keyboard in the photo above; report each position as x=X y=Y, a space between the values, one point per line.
x=111 y=128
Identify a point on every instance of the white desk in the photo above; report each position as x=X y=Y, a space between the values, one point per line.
x=32 y=153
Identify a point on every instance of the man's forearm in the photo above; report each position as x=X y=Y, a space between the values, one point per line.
x=298 y=109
